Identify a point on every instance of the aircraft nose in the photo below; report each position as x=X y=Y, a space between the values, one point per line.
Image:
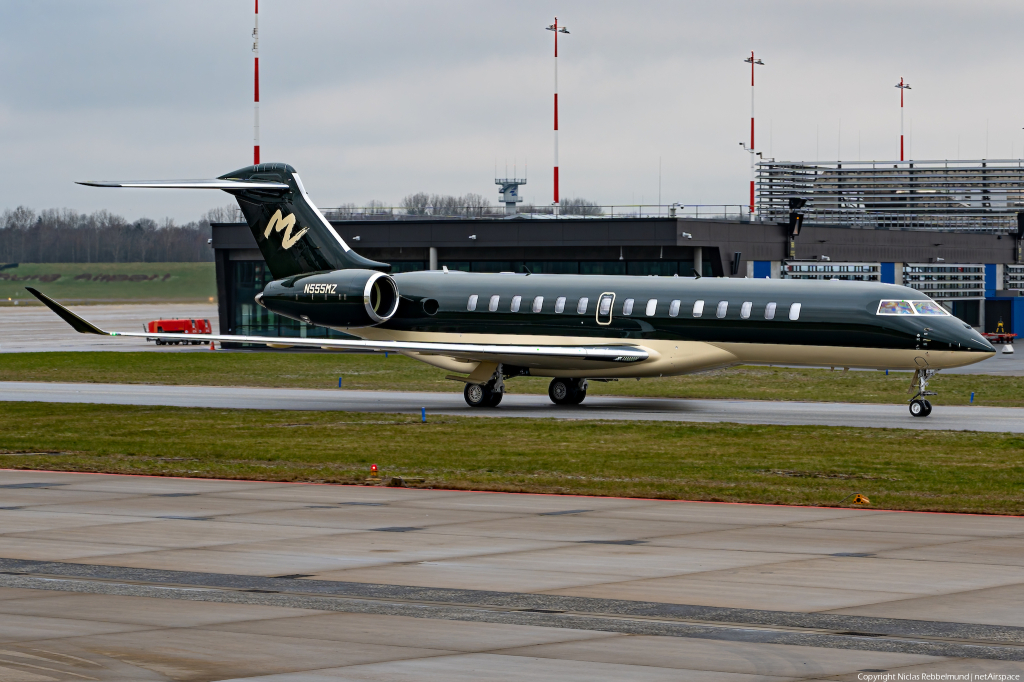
x=972 y=340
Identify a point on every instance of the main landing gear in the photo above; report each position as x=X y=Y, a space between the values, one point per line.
x=567 y=391
x=482 y=395
x=919 y=404
x=486 y=395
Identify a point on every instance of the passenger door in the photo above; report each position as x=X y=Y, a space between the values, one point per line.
x=604 y=308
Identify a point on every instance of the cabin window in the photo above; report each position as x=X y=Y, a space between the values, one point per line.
x=794 y=312
x=698 y=308
x=493 y=305
x=471 y=306
x=929 y=308
x=745 y=310
x=581 y=307
x=723 y=308
x=604 y=306
x=652 y=305
x=560 y=304
x=516 y=300
x=538 y=304
x=673 y=308
x=627 y=307
x=769 y=311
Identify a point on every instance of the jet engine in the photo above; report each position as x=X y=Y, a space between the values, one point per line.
x=339 y=298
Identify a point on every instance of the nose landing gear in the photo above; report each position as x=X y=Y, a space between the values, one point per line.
x=567 y=391
x=919 y=404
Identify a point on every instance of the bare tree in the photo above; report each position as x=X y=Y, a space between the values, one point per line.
x=417 y=204
x=579 y=206
x=66 y=236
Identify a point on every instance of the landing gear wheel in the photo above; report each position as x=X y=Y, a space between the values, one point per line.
x=920 y=408
x=561 y=391
x=476 y=395
x=496 y=397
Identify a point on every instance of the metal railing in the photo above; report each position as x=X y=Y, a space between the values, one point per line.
x=589 y=212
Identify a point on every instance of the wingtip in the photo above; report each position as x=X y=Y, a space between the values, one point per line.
x=77 y=323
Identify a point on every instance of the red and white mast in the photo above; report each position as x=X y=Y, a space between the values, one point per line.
x=554 y=27
x=256 y=91
x=902 y=86
x=753 y=62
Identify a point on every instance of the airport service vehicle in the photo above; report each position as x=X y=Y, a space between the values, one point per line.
x=177 y=326
x=489 y=328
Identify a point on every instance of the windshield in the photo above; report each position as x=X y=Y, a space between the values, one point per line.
x=929 y=308
x=895 y=308
x=910 y=308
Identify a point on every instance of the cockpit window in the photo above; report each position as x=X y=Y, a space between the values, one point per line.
x=929 y=308
x=895 y=308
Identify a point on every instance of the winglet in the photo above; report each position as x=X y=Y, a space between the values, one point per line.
x=81 y=326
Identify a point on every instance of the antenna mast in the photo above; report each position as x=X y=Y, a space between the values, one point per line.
x=555 y=27
x=256 y=91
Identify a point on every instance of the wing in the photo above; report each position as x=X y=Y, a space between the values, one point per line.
x=507 y=353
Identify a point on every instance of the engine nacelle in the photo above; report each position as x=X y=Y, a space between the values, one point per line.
x=341 y=298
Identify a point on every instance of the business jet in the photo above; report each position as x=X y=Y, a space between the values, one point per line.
x=487 y=329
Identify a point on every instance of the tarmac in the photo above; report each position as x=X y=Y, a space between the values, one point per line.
x=992 y=419
x=35 y=329
x=107 y=577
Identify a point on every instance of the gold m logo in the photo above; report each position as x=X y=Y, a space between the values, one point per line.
x=277 y=223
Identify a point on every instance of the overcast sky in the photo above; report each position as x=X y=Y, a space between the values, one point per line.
x=379 y=100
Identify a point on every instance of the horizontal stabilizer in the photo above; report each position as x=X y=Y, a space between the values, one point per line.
x=189 y=184
x=468 y=351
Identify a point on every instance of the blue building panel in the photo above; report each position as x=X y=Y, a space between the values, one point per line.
x=762 y=269
x=991 y=283
x=888 y=273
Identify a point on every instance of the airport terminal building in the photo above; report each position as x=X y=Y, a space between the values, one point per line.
x=953 y=230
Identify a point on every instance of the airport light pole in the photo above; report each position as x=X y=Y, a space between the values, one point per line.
x=556 y=29
x=256 y=91
x=753 y=62
x=902 y=86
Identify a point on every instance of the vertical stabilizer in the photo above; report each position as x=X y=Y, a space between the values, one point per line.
x=293 y=236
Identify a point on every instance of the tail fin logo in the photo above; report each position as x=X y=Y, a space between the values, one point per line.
x=277 y=224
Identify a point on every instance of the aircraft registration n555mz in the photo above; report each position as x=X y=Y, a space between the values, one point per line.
x=488 y=328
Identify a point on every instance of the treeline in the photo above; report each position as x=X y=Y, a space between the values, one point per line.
x=450 y=206
x=67 y=236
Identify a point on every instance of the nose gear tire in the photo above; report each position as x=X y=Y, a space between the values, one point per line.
x=920 y=408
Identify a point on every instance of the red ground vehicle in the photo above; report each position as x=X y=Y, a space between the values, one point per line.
x=178 y=326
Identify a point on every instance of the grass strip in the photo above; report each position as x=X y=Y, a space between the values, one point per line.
x=799 y=465
x=79 y=283
x=396 y=372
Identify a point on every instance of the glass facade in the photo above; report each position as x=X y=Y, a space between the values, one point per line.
x=946 y=281
x=858 y=272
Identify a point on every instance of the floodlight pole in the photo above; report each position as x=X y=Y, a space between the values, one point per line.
x=902 y=86
x=753 y=62
x=555 y=28
x=256 y=89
